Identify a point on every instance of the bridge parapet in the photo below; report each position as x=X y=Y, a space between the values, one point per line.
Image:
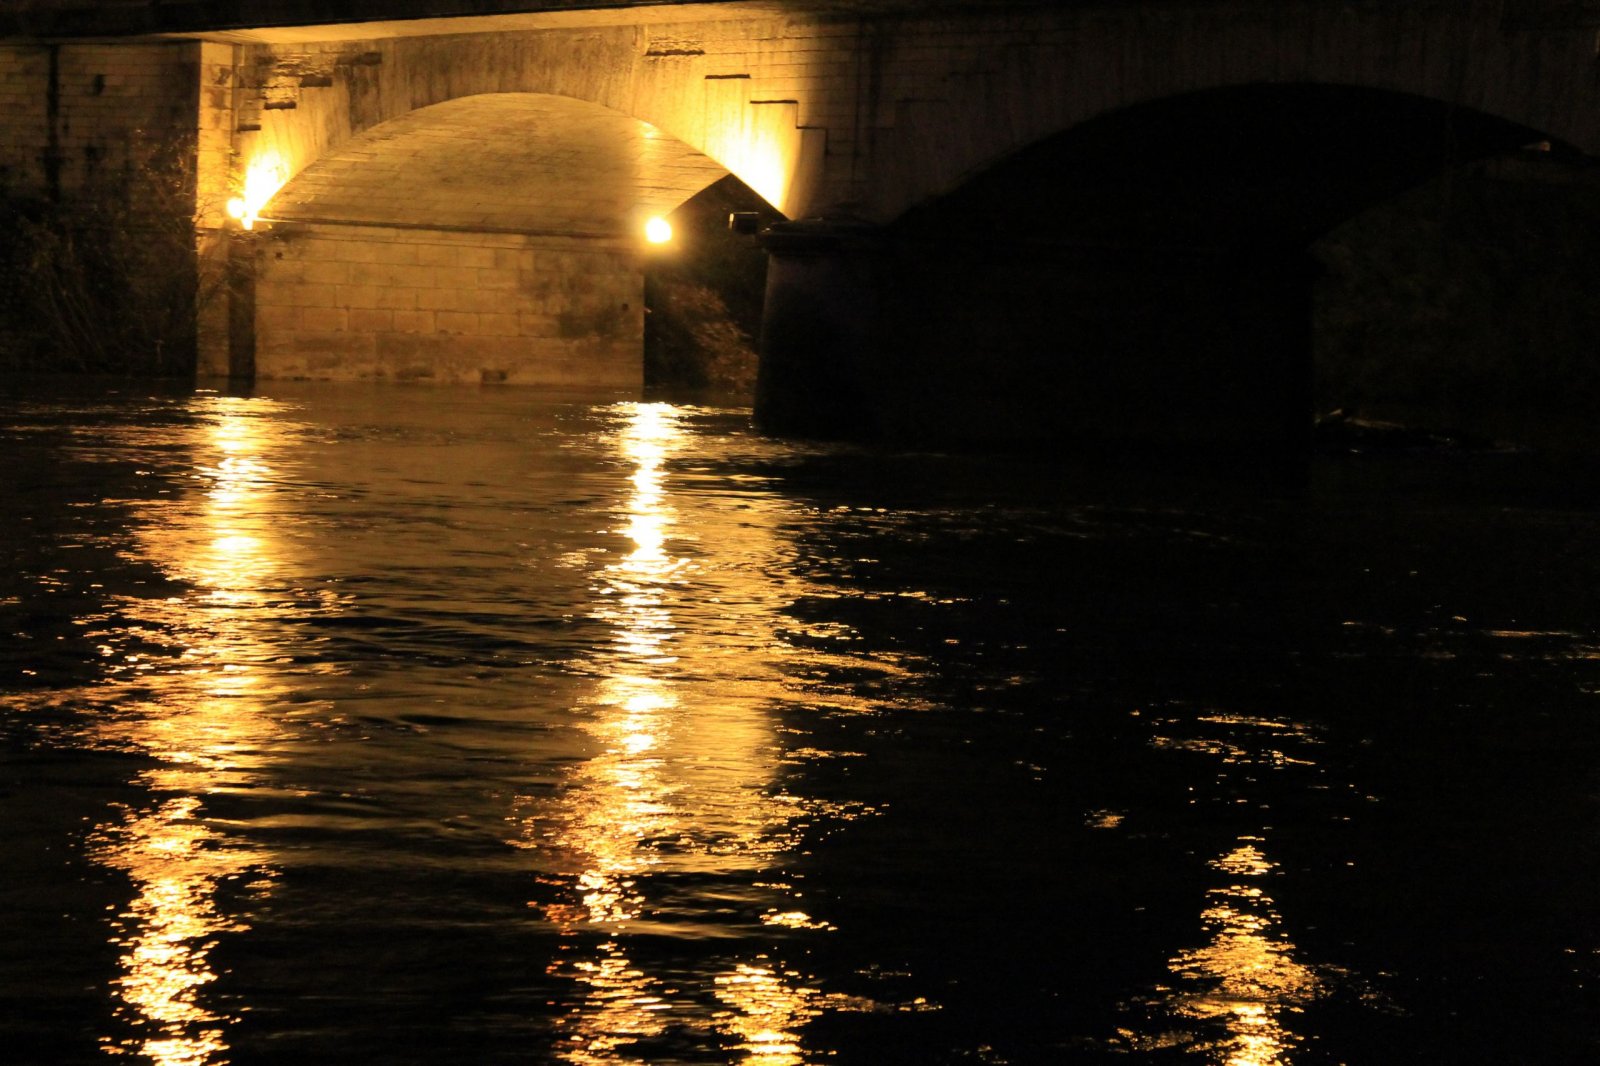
x=66 y=19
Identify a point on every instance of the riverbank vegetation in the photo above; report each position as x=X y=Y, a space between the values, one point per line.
x=105 y=278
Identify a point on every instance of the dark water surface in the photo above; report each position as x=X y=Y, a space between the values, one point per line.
x=363 y=725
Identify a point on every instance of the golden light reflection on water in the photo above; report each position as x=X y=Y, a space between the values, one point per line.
x=200 y=715
x=768 y=1010
x=168 y=930
x=1241 y=988
x=622 y=799
x=621 y=1008
x=1246 y=977
x=679 y=782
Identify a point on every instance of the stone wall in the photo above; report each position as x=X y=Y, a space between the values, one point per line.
x=337 y=303
x=72 y=110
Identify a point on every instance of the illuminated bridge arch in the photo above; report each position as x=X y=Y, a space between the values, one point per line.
x=493 y=237
x=510 y=162
x=303 y=102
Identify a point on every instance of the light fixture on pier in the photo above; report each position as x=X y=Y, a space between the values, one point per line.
x=658 y=231
x=263 y=178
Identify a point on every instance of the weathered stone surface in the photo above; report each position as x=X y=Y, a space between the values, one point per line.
x=464 y=323
x=819 y=112
x=872 y=114
x=499 y=162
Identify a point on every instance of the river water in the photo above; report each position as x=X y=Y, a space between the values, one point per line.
x=349 y=724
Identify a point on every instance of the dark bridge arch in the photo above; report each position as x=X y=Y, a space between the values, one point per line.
x=1264 y=164
x=1143 y=275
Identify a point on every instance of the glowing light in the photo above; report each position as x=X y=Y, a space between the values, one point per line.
x=658 y=231
x=765 y=168
x=263 y=178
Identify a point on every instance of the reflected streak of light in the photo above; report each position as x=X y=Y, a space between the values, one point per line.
x=1246 y=978
x=620 y=798
x=237 y=555
x=620 y=1008
x=168 y=931
x=666 y=787
x=795 y=920
x=201 y=722
x=1248 y=974
x=626 y=800
x=768 y=1011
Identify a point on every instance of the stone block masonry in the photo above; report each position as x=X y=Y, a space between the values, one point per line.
x=830 y=115
x=377 y=303
x=74 y=109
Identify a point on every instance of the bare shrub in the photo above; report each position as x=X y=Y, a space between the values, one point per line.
x=107 y=278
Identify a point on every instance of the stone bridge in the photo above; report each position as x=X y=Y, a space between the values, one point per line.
x=1007 y=218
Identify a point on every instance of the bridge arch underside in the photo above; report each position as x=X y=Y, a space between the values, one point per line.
x=493 y=238
x=1145 y=275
